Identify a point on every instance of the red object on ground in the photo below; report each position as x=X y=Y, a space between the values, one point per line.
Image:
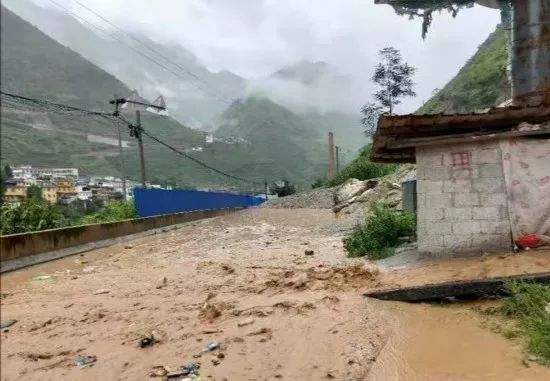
x=529 y=240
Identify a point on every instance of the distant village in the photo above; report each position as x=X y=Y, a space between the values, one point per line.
x=65 y=185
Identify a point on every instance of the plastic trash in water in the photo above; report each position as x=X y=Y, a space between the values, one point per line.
x=213 y=345
x=85 y=361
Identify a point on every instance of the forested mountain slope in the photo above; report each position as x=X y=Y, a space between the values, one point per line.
x=481 y=83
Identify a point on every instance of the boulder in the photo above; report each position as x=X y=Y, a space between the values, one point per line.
x=352 y=188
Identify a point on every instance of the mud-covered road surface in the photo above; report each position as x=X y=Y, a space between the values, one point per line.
x=243 y=281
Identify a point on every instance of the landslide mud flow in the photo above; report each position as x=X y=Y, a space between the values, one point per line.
x=242 y=281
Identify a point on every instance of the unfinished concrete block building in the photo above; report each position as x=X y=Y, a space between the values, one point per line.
x=483 y=180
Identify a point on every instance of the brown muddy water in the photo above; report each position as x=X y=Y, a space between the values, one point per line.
x=448 y=343
x=230 y=259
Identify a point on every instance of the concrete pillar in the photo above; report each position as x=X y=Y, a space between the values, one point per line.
x=531 y=52
x=331 y=155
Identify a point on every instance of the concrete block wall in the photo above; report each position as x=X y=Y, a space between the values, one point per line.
x=461 y=196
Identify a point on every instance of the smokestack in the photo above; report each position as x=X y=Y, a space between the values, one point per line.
x=531 y=52
x=331 y=155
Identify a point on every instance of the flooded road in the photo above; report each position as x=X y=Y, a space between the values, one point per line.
x=243 y=280
x=448 y=343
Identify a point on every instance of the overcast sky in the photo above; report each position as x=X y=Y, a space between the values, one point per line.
x=256 y=37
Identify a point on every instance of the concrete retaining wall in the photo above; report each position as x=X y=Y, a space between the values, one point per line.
x=19 y=250
x=462 y=203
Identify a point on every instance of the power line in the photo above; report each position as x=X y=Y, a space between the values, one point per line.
x=42 y=102
x=155 y=51
x=201 y=163
x=110 y=117
x=137 y=51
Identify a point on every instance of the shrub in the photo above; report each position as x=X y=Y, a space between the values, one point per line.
x=379 y=234
x=113 y=211
x=362 y=168
x=320 y=182
x=30 y=215
x=528 y=304
x=285 y=190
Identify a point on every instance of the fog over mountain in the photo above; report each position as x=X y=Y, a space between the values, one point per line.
x=244 y=47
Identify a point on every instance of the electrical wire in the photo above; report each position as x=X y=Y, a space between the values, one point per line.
x=155 y=51
x=197 y=161
x=109 y=117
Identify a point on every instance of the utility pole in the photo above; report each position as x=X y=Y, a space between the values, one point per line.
x=117 y=102
x=140 y=143
x=330 y=155
x=136 y=131
x=266 y=189
x=337 y=148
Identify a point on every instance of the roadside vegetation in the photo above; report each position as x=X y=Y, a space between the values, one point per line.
x=529 y=306
x=113 y=211
x=378 y=236
x=361 y=168
x=34 y=214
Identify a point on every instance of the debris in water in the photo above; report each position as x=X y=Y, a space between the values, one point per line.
x=209 y=312
x=158 y=371
x=85 y=361
x=245 y=322
x=7 y=323
x=309 y=252
x=42 y=278
x=147 y=341
x=191 y=368
x=162 y=283
x=101 y=291
x=211 y=346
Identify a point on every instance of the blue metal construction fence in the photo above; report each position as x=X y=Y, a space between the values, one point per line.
x=153 y=202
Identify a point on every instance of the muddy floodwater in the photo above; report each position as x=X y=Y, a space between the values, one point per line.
x=245 y=282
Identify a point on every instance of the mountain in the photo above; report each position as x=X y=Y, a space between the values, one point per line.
x=275 y=134
x=191 y=101
x=481 y=83
x=307 y=72
x=276 y=143
x=314 y=89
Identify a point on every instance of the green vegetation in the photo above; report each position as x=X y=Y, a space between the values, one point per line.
x=113 y=211
x=30 y=215
x=34 y=191
x=529 y=305
x=377 y=237
x=34 y=214
x=480 y=84
x=362 y=168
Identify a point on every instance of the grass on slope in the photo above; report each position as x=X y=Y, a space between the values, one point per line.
x=362 y=168
x=529 y=305
x=480 y=84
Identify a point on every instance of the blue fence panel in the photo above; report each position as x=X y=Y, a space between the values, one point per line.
x=153 y=202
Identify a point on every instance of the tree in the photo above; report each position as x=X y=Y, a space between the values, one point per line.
x=113 y=211
x=394 y=77
x=34 y=191
x=8 y=173
x=285 y=190
x=30 y=215
x=424 y=9
x=371 y=113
